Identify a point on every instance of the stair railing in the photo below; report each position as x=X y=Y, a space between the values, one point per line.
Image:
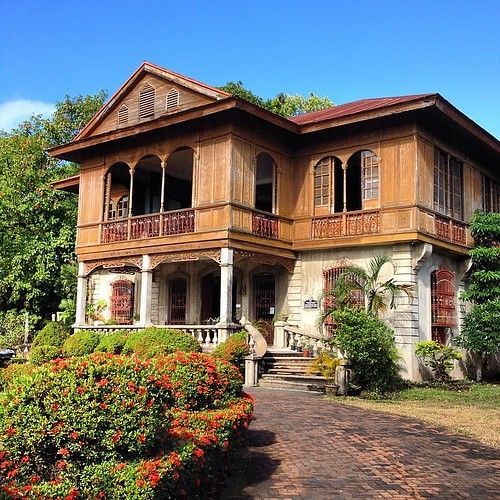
x=258 y=347
x=297 y=339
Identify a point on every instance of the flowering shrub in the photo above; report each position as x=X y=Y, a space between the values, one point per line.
x=153 y=341
x=81 y=343
x=107 y=426
x=43 y=353
x=12 y=371
x=112 y=342
x=234 y=350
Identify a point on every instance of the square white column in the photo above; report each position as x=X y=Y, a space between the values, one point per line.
x=81 y=296
x=146 y=290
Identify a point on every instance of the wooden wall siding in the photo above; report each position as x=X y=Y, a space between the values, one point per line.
x=397 y=172
x=187 y=99
x=90 y=204
x=212 y=178
x=425 y=173
x=243 y=172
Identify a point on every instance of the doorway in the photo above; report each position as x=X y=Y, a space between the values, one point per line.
x=210 y=297
x=177 y=301
x=264 y=299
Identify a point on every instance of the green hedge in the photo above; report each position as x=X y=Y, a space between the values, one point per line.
x=152 y=342
x=81 y=343
x=53 y=334
x=234 y=350
x=112 y=342
x=43 y=353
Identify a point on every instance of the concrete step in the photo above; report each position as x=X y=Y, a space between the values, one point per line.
x=287 y=371
x=294 y=377
x=291 y=385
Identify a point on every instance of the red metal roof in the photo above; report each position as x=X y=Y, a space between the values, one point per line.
x=352 y=108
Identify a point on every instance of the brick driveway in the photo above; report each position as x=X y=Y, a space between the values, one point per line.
x=300 y=446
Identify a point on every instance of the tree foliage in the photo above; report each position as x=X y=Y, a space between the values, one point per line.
x=37 y=223
x=282 y=104
x=481 y=329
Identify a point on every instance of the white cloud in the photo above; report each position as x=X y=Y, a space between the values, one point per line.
x=12 y=113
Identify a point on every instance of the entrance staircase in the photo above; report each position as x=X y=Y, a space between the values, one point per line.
x=287 y=369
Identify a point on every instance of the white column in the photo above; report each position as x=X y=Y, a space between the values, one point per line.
x=146 y=288
x=81 y=296
x=226 y=286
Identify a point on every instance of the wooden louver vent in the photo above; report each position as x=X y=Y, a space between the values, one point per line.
x=172 y=99
x=123 y=115
x=147 y=101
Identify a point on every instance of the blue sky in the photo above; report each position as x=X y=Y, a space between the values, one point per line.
x=346 y=50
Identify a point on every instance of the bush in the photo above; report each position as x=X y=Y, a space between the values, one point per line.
x=107 y=426
x=368 y=344
x=52 y=334
x=12 y=371
x=112 y=342
x=234 y=350
x=43 y=353
x=438 y=357
x=81 y=343
x=152 y=342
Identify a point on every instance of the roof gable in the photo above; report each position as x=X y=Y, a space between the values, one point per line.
x=123 y=108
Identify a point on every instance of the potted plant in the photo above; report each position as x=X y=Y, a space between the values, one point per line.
x=326 y=365
x=307 y=351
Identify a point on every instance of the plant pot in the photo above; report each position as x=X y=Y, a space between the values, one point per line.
x=306 y=353
x=331 y=389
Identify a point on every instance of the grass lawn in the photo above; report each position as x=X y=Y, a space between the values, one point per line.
x=474 y=412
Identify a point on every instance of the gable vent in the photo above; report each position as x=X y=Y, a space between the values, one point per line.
x=123 y=115
x=147 y=101
x=172 y=99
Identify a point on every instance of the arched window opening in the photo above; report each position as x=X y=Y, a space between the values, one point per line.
x=370 y=171
x=117 y=185
x=123 y=115
x=330 y=278
x=329 y=185
x=122 y=207
x=353 y=183
x=147 y=101
x=265 y=183
x=443 y=312
x=179 y=180
x=147 y=186
x=122 y=301
x=177 y=301
x=172 y=100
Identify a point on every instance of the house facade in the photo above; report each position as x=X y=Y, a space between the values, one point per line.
x=197 y=208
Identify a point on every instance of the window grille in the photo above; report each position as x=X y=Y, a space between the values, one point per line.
x=177 y=302
x=147 y=101
x=172 y=99
x=443 y=313
x=448 y=185
x=122 y=301
x=123 y=115
x=370 y=170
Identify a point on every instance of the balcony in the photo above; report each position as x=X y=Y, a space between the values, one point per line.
x=265 y=225
x=148 y=226
x=444 y=228
x=346 y=224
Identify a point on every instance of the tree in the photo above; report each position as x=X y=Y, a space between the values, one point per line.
x=37 y=223
x=282 y=104
x=379 y=294
x=481 y=328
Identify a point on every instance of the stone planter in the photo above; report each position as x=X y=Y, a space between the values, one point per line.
x=331 y=389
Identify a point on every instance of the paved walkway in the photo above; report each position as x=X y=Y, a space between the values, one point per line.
x=300 y=446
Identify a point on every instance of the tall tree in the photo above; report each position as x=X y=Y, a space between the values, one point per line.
x=481 y=329
x=37 y=223
x=282 y=104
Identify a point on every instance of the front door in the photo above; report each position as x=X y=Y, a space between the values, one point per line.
x=264 y=292
x=210 y=297
x=177 y=302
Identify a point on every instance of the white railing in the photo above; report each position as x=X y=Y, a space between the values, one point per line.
x=296 y=339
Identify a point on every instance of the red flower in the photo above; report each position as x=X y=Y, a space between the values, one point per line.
x=141 y=438
x=140 y=483
x=198 y=452
x=10 y=431
x=55 y=406
x=74 y=435
x=116 y=436
x=102 y=383
x=63 y=451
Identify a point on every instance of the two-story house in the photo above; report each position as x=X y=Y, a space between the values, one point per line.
x=197 y=208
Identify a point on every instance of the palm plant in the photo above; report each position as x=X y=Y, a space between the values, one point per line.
x=355 y=281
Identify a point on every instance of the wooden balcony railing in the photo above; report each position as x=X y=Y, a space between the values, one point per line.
x=148 y=226
x=346 y=224
x=265 y=225
x=450 y=230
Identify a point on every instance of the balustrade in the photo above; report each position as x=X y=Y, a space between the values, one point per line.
x=450 y=230
x=346 y=224
x=265 y=225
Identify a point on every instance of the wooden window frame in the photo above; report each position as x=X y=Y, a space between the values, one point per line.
x=448 y=185
x=443 y=304
x=273 y=179
x=172 y=100
x=323 y=182
x=122 y=207
x=370 y=171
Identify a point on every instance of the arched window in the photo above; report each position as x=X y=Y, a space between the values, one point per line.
x=370 y=172
x=122 y=301
x=443 y=313
x=328 y=185
x=122 y=207
x=330 y=277
x=172 y=100
x=147 y=101
x=265 y=183
x=123 y=115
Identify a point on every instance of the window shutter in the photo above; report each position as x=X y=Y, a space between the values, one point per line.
x=172 y=99
x=123 y=115
x=147 y=101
